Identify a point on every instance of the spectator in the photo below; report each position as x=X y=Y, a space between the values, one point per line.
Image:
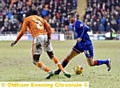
x=1 y=24
x=101 y=29
x=112 y=34
x=95 y=28
x=104 y=10
x=16 y=10
x=103 y=21
x=119 y=20
x=115 y=26
x=58 y=28
x=45 y=11
x=74 y=4
x=66 y=23
x=108 y=27
x=118 y=29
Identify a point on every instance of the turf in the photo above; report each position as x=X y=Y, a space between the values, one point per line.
x=16 y=63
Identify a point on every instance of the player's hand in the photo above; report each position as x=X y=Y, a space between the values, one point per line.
x=79 y=39
x=13 y=43
x=47 y=43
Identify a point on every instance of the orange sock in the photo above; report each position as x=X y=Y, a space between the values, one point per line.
x=56 y=61
x=43 y=67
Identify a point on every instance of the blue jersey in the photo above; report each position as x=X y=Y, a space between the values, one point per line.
x=85 y=45
x=81 y=31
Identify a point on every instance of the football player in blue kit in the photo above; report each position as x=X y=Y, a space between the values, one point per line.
x=83 y=44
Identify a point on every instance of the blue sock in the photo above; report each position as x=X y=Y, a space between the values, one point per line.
x=100 y=62
x=64 y=63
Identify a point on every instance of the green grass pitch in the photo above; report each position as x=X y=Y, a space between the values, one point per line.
x=16 y=64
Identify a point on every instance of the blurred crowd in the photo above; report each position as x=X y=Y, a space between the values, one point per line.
x=100 y=16
x=103 y=15
x=13 y=12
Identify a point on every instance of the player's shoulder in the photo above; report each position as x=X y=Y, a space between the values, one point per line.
x=80 y=23
x=28 y=18
x=34 y=17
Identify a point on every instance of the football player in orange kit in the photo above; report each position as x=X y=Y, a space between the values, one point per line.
x=41 y=33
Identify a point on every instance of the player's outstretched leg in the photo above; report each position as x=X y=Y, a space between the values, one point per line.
x=57 y=72
x=50 y=74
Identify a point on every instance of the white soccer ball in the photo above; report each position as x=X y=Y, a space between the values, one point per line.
x=78 y=69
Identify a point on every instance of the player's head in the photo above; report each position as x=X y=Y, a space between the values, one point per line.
x=71 y=18
x=34 y=12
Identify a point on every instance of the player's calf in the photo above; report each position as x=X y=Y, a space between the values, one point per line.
x=57 y=72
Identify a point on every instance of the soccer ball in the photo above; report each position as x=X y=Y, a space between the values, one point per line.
x=78 y=69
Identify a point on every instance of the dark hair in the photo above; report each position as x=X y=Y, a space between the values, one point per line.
x=34 y=12
x=71 y=14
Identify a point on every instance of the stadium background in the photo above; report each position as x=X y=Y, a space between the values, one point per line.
x=99 y=15
x=16 y=62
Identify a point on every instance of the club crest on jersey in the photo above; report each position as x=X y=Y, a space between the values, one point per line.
x=81 y=25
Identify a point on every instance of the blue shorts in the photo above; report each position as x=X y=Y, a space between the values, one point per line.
x=82 y=47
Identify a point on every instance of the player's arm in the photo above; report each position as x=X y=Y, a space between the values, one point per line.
x=22 y=31
x=84 y=30
x=48 y=29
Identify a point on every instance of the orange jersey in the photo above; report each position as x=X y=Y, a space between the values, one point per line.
x=36 y=26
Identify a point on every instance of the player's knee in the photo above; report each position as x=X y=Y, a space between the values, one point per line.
x=36 y=59
x=50 y=54
x=90 y=61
